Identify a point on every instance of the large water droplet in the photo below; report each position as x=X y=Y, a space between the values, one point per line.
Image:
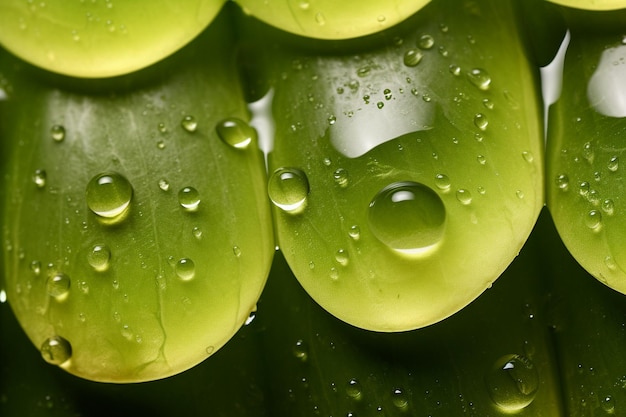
x=99 y=257
x=58 y=286
x=56 y=350
x=407 y=216
x=235 y=132
x=108 y=195
x=479 y=78
x=288 y=189
x=593 y=220
x=189 y=198
x=412 y=57
x=185 y=269
x=58 y=133
x=513 y=382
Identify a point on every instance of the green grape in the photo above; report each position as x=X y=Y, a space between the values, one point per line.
x=592 y=4
x=399 y=199
x=330 y=19
x=88 y=38
x=138 y=247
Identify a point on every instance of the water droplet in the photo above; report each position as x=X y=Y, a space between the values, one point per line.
x=235 y=132
x=301 y=351
x=237 y=251
x=519 y=194
x=354 y=232
x=528 y=157
x=399 y=399
x=332 y=119
x=341 y=177
x=189 y=198
x=342 y=257
x=426 y=42
x=56 y=350
x=58 y=286
x=608 y=206
x=593 y=220
x=58 y=133
x=480 y=121
x=35 y=266
x=185 y=269
x=513 y=382
x=562 y=182
x=162 y=128
x=320 y=18
x=40 y=177
x=353 y=389
x=488 y=104
x=481 y=159
x=99 y=257
x=108 y=195
x=613 y=164
x=288 y=189
x=164 y=184
x=412 y=57
x=610 y=263
x=479 y=78
x=464 y=196
x=442 y=182
x=189 y=123
x=608 y=404
x=583 y=188
x=455 y=69
x=588 y=152
x=334 y=274
x=407 y=216
x=197 y=232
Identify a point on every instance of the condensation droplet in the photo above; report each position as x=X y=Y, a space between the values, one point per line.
x=608 y=206
x=185 y=269
x=562 y=182
x=353 y=389
x=426 y=42
x=189 y=198
x=99 y=257
x=342 y=257
x=58 y=133
x=399 y=399
x=189 y=123
x=513 y=382
x=108 y=195
x=479 y=78
x=236 y=251
x=613 y=164
x=40 y=178
x=164 y=184
x=197 y=232
x=56 y=350
x=354 y=232
x=583 y=188
x=288 y=188
x=610 y=263
x=407 y=216
x=588 y=152
x=593 y=220
x=528 y=157
x=480 y=121
x=235 y=132
x=464 y=196
x=412 y=57
x=455 y=70
x=442 y=182
x=58 y=286
x=481 y=159
x=341 y=177
x=608 y=404
x=301 y=351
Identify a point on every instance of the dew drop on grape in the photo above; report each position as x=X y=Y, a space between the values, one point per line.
x=288 y=188
x=56 y=350
x=513 y=382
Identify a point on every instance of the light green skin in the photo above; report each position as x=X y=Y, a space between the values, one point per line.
x=381 y=289
x=588 y=112
x=86 y=38
x=136 y=321
x=330 y=19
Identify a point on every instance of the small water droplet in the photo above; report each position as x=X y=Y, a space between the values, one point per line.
x=334 y=274
x=108 y=195
x=412 y=57
x=528 y=157
x=40 y=178
x=479 y=78
x=488 y=104
x=353 y=389
x=480 y=121
x=354 y=232
x=185 y=269
x=35 y=266
x=588 y=152
x=189 y=198
x=442 y=182
x=320 y=18
x=455 y=70
x=342 y=257
x=162 y=127
x=288 y=189
x=464 y=196
x=608 y=404
x=593 y=220
x=562 y=182
x=513 y=382
x=164 y=184
x=481 y=159
x=519 y=194
x=236 y=251
x=56 y=350
x=189 y=123
x=613 y=164
x=301 y=351
x=610 y=263
x=58 y=286
x=608 y=206
x=399 y=399
x=235 y=132
x=425 y=42
x=583 y=188
x=58 y=133
x=99 y=257
x=341 y=177
x=407 y=216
